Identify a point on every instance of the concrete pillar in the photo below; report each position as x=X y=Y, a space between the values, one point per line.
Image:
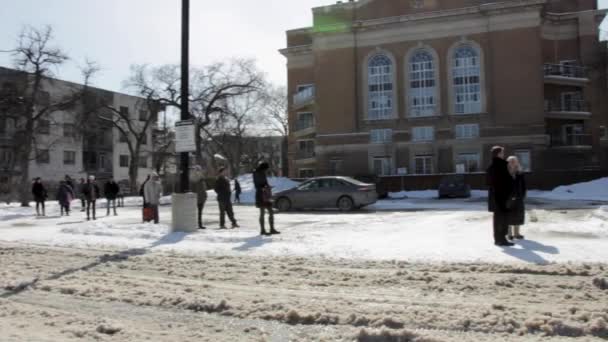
x=184 y=213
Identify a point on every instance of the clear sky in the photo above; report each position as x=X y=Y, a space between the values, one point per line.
x=118 y=33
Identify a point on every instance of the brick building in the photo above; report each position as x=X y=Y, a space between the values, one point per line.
x=426 y=87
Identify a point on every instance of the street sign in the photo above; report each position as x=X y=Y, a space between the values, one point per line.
x=185 y=140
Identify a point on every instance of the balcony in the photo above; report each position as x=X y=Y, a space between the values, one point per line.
x=305 y=156
x=565 y=74
x=567 y=109
x=304 y=127
x=304 y=97
x=577 y=141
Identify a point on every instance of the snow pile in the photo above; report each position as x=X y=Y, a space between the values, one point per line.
x=596 y=190
x=278 y=184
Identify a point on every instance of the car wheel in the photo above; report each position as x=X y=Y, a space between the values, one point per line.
x=283 y=204
x=346 y=203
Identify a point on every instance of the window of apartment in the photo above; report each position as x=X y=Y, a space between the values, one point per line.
x=103 y=162
x=466 y=78
x=525 y=159
x=143 y=162
x=572 y=101
x=122 y=138
x=467 y=131
x=469 y=161
x=143 y=115
x=43 y=157
x=417 y=4
x=423 y=164
x=305 y=120
x=303 y=87
x=572 y=135
x=336 y=167
x=6 y=157
x=144 y=139
x=124 y=111
x=422 y=90
x=306 y=173
x=306 y=148
x=380 y=87
x=44 y=126
x=69 y=130
x=69 y=158
x=123 y=160
x=383 y=166
x=381 y=136
x=603 y=132
x=423 y=133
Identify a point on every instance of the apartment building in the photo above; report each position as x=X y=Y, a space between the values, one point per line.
x=74 y=141
x=426 y=87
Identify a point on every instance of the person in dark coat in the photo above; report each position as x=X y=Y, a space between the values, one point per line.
x=81 y=186
x=500 y=185
x=237 y=191
x=263 y=195
x=111 y=190
x=65 y=195
x=222 y=189
x=40 y=195
x=200 y=189
x=69 y=181
x=517 y=213
x=91 y=194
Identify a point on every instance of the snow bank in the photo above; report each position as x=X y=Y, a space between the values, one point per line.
x=278 y=183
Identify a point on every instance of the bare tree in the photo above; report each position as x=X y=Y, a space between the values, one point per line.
x=210 y=89
x=163 y=141
x=276 y=115
x=36 y=60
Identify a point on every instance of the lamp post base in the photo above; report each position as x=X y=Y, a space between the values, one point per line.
x=184 y=213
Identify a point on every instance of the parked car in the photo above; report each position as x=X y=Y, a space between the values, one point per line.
x=343 y=193
x=454 y=186
x=373 y=179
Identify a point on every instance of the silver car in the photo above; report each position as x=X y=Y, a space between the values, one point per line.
x=343 y=193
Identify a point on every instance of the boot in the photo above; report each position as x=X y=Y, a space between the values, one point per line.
x=262 y=230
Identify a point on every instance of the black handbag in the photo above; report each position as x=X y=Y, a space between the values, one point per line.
x=511 y=201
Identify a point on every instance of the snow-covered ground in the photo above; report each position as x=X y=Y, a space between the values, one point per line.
x=432 y=232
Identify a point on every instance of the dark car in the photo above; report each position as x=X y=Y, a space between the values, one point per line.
x=454 y=186
x=343 y=193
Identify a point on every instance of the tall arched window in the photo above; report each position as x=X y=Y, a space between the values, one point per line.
x=423 y=85
x=380 y=87
x=466 y=75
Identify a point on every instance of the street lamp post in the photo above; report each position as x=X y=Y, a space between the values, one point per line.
x=185 y=113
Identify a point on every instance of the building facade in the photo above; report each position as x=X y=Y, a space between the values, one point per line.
x=388 y=87
x=75 y=141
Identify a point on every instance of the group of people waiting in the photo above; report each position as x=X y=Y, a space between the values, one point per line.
x=87 y=191
x=223 y=190
x=506 y=195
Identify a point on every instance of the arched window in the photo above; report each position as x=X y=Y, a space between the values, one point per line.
x=423 y=85
x=466 y=76
x=380 y=87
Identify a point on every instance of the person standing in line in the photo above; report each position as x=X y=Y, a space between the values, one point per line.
x=80 y=190
x=111 y=190
x=200 y=188
x=69 y=181
x=40 y=195
x=143 y=197
x=153 y=191
x=222 y=189
x=500 y=184
x=263 y=198
x=65 y=195
x=91 y=194
x=517 y=213
x=237 y=191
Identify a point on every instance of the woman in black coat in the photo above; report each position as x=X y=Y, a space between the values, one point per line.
x=263 y=198
x=40 y=195
x=517 y=207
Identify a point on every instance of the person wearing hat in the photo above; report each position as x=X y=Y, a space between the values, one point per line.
x=153 y=191
x=263 y=198
x=91 y=194
x=200 y=188
x=222 y=189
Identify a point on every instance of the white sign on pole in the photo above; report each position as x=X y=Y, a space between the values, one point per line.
x=184 y=137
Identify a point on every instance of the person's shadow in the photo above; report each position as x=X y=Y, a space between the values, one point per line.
x=252 y=242
x=529 y=251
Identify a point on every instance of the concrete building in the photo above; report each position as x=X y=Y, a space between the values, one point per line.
x=72 y=141
x=426 y=87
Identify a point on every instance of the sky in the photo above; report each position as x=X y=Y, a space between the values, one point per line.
x=119 y=33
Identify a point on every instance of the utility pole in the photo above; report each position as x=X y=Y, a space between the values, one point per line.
x=185 y=112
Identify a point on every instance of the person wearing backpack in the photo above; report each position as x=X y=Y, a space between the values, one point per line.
x=263 y=198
